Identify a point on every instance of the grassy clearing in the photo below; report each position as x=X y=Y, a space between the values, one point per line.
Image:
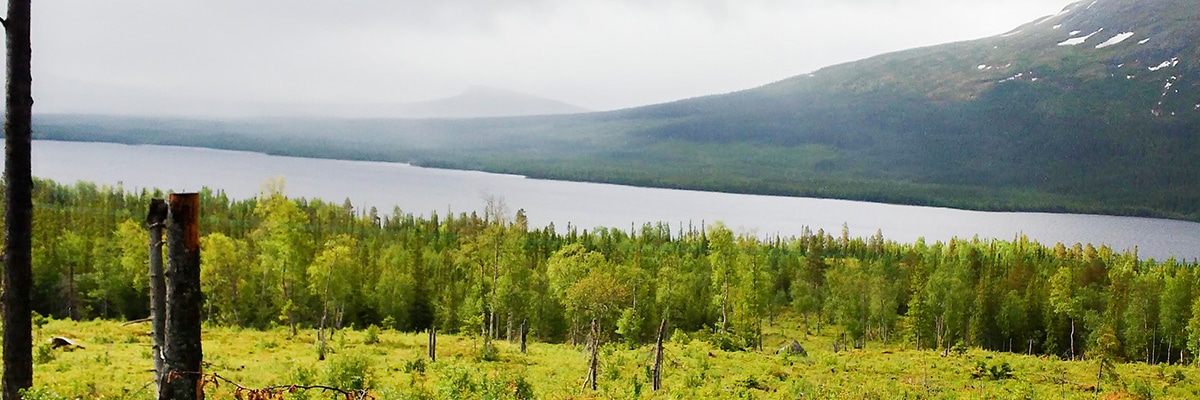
x=115 y=363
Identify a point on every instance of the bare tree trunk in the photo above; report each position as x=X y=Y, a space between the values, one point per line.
x=324 y=314
x=432 y=343
x=18 y=210
x=492 y=307
x=724 y=310
x=656 y=385
x=594 y=343
x=524 y=334
x=1072 y=339
x=574 y=331
x=71 y=292
x=483 y=322
x=155 y=220
x=183 y=352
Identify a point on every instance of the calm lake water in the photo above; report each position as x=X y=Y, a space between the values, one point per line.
x=585 y=205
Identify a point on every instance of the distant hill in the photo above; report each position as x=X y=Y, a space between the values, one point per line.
x=483 y=101
x=475 y=102
x=1095 y=109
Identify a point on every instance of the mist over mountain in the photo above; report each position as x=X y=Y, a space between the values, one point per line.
x=475 y=102
x=1094 y=109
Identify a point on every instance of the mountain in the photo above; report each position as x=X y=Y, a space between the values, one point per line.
x=483 y=101
x=1095 y=109
x=475 y=102
x=1099 y=104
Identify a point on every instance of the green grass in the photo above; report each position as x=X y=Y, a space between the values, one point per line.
x=115 y=363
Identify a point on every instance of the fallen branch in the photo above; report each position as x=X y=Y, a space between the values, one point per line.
x=137 y=321
x=269 y=392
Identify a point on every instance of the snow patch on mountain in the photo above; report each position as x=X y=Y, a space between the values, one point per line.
x=1169 y=63
x=1120 y=37
x=1079 y=40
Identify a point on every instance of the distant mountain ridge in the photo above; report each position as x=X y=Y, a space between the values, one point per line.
x=484 y=101
x=475 y=102
x=1094 y=109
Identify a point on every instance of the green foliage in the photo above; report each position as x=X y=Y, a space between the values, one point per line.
x=40 y=320
x=465 y=273
x=416 y=366
x=456 y=383
x=751 y=382
x=41 y=393
x=556 y=370
x=302 y=375
x=680 y=337
x=350 y=371
x=995 y=372
x=43 y=354
x=488 y=352
x=372 y=335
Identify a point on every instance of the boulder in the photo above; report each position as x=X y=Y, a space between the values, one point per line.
x=62 y=342
x=793 y=348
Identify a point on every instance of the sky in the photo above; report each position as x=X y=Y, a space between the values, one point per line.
x=242 y=57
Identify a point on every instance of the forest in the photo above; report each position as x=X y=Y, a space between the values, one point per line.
x=275 y=261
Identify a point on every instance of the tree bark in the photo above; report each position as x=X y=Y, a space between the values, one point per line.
x=658 y=356
x=71 y=292
x=524 y=334
x=155 y=221
x=324 y=313
x=18 y=210
x=432 y=344
x=183 y=352
x=594 y=343
x=1072 y=339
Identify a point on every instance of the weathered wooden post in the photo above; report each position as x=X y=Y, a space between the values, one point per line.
x=433 y=343
x=182 y=351
x=594 y=343
x=155 y=221
x=658 y=356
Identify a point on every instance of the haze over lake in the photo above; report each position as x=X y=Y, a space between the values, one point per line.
x=584 y=205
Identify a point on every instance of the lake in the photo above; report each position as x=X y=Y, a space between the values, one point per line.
x=584 y=205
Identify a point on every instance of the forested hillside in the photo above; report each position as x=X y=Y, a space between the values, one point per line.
x=1095 y=110
x=275 y=261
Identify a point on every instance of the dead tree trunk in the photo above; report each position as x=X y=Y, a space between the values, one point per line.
x=508 y=334
x=71 y=292
x=432 y=344
x=18 y=210
x=183 y=352
x=594 y=344
x=155 y=221
x=658 y=356
x=324 y=314
x=525 y=334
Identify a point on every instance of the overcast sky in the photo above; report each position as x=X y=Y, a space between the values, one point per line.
x=226 y=57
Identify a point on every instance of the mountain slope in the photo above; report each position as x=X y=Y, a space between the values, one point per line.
x=1060 y=106
x=1095 y=109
